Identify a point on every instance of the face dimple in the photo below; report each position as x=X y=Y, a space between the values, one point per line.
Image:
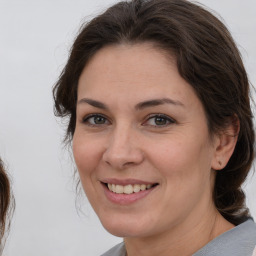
x=139 y=121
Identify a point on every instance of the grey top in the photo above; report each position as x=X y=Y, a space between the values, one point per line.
x=238 y=241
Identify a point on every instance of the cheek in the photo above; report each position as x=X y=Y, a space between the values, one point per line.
x=182 y=159
x=186 y=173
x=86 y=154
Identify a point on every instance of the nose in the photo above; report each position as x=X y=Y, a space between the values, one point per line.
x=123 y=149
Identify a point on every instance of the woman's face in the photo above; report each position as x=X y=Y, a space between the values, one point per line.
x=142 y=131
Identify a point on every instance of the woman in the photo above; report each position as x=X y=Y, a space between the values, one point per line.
x=161 y=126
x=6 y=204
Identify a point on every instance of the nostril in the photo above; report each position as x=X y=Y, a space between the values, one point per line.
x=107 y=162
x=128 y=163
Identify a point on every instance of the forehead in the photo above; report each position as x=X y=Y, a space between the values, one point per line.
x=125 y=58
x=134 y=73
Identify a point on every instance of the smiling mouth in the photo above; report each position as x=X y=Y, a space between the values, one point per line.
x=128 y=189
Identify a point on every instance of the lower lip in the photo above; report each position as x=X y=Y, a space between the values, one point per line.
x=124 y=199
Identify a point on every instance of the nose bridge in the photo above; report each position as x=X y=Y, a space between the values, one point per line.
x=120 y=136
x=123 y=147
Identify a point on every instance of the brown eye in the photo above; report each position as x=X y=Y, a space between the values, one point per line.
x=95 y=120
x=99 y=120
x=159 y=121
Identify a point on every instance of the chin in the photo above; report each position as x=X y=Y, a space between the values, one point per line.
x=124 y=228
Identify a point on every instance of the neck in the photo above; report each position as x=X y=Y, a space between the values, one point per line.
x=184 y=239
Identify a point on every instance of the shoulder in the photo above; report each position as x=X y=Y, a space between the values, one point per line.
x=239 y=241
x=118 y=250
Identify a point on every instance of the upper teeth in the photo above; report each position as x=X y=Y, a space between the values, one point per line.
x=128 y=189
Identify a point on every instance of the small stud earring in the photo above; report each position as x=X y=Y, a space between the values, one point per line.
x=220 y=163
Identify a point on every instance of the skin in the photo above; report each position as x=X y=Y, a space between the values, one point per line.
x=129 y=142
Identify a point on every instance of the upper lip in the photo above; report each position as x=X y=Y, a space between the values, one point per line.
x=126 y=181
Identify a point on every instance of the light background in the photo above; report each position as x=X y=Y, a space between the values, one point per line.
x=35 y=37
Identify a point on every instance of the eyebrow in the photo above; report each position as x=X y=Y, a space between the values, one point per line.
x=157 y=102
x=94 y=103
x=139 y=106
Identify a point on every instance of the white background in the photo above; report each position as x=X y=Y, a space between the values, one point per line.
x=35 y=37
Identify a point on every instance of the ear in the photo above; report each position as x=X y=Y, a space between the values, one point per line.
x=224 y=143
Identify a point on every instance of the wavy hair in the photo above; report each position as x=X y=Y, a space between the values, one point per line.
x=6 y=205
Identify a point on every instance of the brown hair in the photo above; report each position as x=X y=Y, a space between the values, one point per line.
x=6 y=204
x=207 y=58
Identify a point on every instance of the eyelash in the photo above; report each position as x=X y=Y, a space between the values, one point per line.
x=87 y=118
x=167 y=119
